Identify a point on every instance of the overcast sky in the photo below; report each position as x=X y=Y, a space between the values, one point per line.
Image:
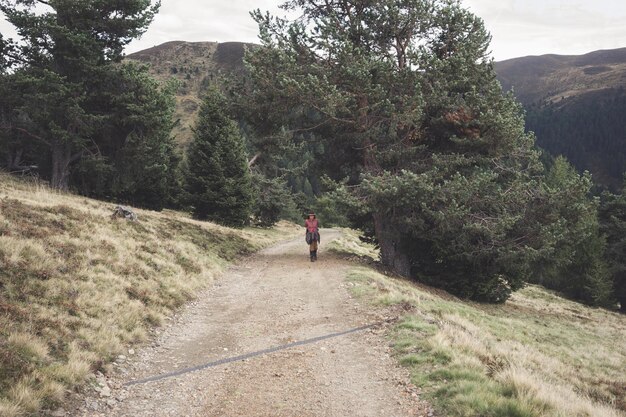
x=518 y=27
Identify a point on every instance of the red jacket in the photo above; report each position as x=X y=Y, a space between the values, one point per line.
x=311 y=225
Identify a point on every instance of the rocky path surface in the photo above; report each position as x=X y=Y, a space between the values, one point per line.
x=274 y=298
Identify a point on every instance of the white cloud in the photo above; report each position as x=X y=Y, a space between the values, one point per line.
x=199 y=20
x=518 y=27
x=535 y=27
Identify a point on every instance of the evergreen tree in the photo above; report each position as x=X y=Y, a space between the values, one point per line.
x=272 y=200
x=575 y=264
x=613 y=221
x=146 y=163
x=137 y=162
x=63 y=55
x=217 y=178
x=404 y=93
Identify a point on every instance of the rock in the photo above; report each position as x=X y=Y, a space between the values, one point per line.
x=58 y=413
x=93 y=405
x=124 y=213
x=131 y=351
x=105 y=391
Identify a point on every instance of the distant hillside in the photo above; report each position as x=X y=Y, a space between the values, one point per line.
x=577 y=107
x=196 y=65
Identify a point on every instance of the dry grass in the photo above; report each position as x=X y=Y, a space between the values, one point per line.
x=536 y=355
x=77 y=288
x=350 y=245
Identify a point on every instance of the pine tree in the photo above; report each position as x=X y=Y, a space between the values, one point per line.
x=137 y=160
x=575 y=263
x=146 y=163
x=217 y=178
x=613 y=222
x=404 y=93
x=272 y=200
x=64 y=53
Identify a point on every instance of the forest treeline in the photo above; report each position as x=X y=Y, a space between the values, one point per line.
x=390 y=107
x=589 y=129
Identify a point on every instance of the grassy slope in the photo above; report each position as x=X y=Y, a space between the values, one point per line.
x=536 y=355
x=550 y=77
x=77 y=288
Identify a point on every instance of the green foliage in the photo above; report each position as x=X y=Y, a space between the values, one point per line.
x=137 y=161
x=438 y=168
x=217 y=178
x=272 y=200
x=60 y=70
x=329 y=211
x=613 y=225
x=461 y=232
x=574 y=263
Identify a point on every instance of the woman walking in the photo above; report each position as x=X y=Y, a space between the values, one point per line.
x=312 y=235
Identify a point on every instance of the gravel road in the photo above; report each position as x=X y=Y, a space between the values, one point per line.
x=274 y=298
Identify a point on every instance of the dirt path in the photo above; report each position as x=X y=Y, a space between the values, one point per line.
x=274 y=298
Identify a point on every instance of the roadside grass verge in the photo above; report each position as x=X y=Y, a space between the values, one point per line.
x=349 y=244
x=536 y=355
x=78 y=288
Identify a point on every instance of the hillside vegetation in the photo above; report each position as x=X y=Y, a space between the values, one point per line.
x=573 y=102
x=77 y=288
x=575 y=105
x=537 y=355
x=196 y=66
x=551 y=77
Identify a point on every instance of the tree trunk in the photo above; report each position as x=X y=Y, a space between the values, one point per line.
x=391 y=250
x=14 y=159
x=61 y=159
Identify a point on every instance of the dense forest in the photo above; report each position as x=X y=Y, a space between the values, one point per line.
x=575 y=106
x=589 y=129
x=384 y=115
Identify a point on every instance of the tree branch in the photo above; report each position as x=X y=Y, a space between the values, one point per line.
x=254 y=159
x=26 y=132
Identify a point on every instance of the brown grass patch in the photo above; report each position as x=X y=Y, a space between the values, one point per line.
x=78 y=288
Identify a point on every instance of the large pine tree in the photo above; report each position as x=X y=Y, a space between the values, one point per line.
x=404 y=92
x=63 y=54
x=218 y=184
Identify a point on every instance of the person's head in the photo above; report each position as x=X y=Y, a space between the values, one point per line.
x=311 y=216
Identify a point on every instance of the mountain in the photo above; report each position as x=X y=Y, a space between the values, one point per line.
x=196 y=65
x=576 y=105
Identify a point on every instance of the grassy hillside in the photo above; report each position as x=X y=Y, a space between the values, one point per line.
x=196 y=65
x=78 y=288
x=538 y=355
x=553 y=77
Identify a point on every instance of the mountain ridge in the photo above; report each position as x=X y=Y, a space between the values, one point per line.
x=575 y=105
x=552 y=76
